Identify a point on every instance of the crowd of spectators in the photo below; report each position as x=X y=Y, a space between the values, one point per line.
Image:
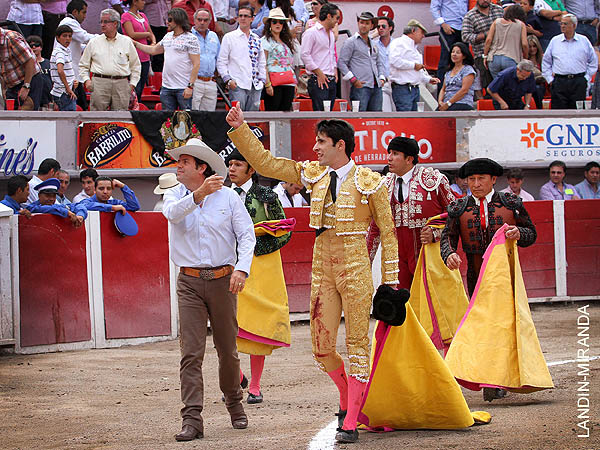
x=256 y=49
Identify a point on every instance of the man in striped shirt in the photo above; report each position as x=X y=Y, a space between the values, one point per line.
x=61 y=70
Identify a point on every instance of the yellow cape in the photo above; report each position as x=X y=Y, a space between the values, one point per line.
x=437 y=294
x=496 y=344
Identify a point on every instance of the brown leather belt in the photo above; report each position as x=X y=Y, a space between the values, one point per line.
x=205 y=78
x=208 y=273
x=111 y=77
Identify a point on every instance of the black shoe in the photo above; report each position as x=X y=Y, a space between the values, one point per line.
x=341 y=415
x=244 y=382
x=252 y=399
x=188 y=433
x=347 y=436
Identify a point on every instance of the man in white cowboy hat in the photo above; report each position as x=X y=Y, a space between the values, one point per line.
x=212 y=241
x=165 y=181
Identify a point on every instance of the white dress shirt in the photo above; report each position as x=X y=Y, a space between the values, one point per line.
x=245 y=188
x=215 y=233
x=342 y=174
x=82 y=196
x=33 y=194
x=78 y=43
x=25 y=13
x=403 y=56
x=488 y=198
x=405 y=180
x=297 y=199
x=234 y=61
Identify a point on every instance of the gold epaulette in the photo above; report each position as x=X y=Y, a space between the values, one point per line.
x=311 y=173
x=367 y=182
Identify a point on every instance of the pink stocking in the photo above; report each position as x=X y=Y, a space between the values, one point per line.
x=341 y=381
x=257 y=363
x=356 y=389
x=241 y=375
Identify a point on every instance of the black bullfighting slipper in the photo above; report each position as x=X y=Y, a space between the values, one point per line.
x=244 y=382
x=252 y=399
x=341 y=415
x=188 y=433
x=347 y=436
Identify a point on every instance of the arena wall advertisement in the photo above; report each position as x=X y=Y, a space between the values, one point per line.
x=536 y=139
x=436 y=138
x=24 y=144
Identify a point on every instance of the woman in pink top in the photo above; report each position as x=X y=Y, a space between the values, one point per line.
x=135 y=24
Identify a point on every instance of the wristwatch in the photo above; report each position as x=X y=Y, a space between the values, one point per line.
x=27 y=85
x=448 y=104
x=191 y=85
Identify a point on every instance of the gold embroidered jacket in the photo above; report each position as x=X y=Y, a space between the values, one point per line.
x=363 y=197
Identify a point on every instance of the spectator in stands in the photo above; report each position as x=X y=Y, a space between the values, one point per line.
x=550 y=13
x=294 y=24
x=279 y=49
x=261 y=11
x=205 y=87
x=182 y=61
x=300 y=11
x=76 y=13
x=241 y=62
x=65 y=180
x=448 y=15
x=102 y=199
x=53 y=11
x=588 y=188
x=460 y=186
x=114 y=64
x=48 y=168
x=191 y=6
x=385 y=29
x=136 y=25
x=319 y=56
x=476 y=25
x=28 y=15
x=289 y=195
x=63 y=75
x=596 y=85
x=157 y=12
x=17 y=192
x=457 y=91
x=36 y=45
x=587 y=13
x=87 y=177
x=556 y=188
x=315 y=6
x=508 y=88
x=536 y=54
x=568 y=65
x=506 y=42
x=360 y=62
x=47 y=204
x=533 y=24
x=515 y=183
x=19 y=71
x=407 y=71
x=165 y=182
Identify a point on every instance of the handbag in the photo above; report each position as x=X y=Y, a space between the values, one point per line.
x=281 y=78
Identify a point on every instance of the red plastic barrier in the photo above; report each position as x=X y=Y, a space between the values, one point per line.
x=53 y=281
x=135 y=275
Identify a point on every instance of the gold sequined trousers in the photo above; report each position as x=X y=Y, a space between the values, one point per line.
x=341 y=280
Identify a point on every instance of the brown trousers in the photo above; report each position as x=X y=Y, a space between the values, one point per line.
x=110 y=94
x=199 y=300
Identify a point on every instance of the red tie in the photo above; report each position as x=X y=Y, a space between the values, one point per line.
x=482 y=213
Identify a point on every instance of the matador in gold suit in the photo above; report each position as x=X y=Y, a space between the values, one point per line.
x=341 y=270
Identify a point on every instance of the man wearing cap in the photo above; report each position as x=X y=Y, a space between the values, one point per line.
x=17 y=191
x=102 y=200
x=344 y=201
x=46 y=203
x=261 y=298
x=212 y=240
x=511 y=85
x=476 y=217
x=415 y=195
x=48 y=168
x=407 y=71
x=361 y=64
x=165 y=182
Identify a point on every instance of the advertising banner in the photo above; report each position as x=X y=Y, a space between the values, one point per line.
x=24 y=144
x=436 y=138
x=536 y=139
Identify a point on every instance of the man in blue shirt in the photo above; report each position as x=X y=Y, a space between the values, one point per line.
x=102 y=200
x=588 y=188
x=448 y=15
x=511 y=85
x=205 y=88
x=17 y=193
x=46 y=203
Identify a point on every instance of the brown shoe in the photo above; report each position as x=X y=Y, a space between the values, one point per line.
x=239 y=421
x=188 y=433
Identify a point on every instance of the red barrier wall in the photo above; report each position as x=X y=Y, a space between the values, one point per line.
x=135 y=275
x=582 y=235
x=53 y=281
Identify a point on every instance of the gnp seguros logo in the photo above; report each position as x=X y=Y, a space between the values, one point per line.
x=568 y=138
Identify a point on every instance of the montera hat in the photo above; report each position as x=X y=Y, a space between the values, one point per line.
x=165 y=182
x=198 y=149
x=277 y=14
x=416 y=23
x=50 y=186
x=480 y=166
x=234 y=155
x=408 y=146
x=389 y=305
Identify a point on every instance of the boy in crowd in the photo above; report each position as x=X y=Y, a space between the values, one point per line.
x=61 y=70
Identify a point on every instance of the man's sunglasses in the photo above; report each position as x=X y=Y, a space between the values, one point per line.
x=244 y=16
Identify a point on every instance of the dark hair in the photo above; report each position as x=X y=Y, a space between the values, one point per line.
x=515 y=12
x=62 y=29
x=47 y=165
x=35 y=39
x=15 y=183
x=247 y=7
x=180 y=18
x=338 y=130
x=208 y=171
x=531 y=3
x=102 y=178
x=285 y=35
x=328 y=9
x=468 y=61
x=91 y=173
x=591 y=165
x=286 y=7
x=76 y=5
x=558 y=163
x=389 y=21
x=515 y=173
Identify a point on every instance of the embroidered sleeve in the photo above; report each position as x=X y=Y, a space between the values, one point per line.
x=445 y=193
x=267 y=243
x=526 y=227
x=382 y=215
x=373 y=240
x=449 y=239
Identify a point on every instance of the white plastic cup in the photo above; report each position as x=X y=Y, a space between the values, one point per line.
x=343 y=106
x=420 y=106
x=355 y=105
x=579 y=104
x=327 y=105
x=588 y=104
x=546 y=104
x=296 y=106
